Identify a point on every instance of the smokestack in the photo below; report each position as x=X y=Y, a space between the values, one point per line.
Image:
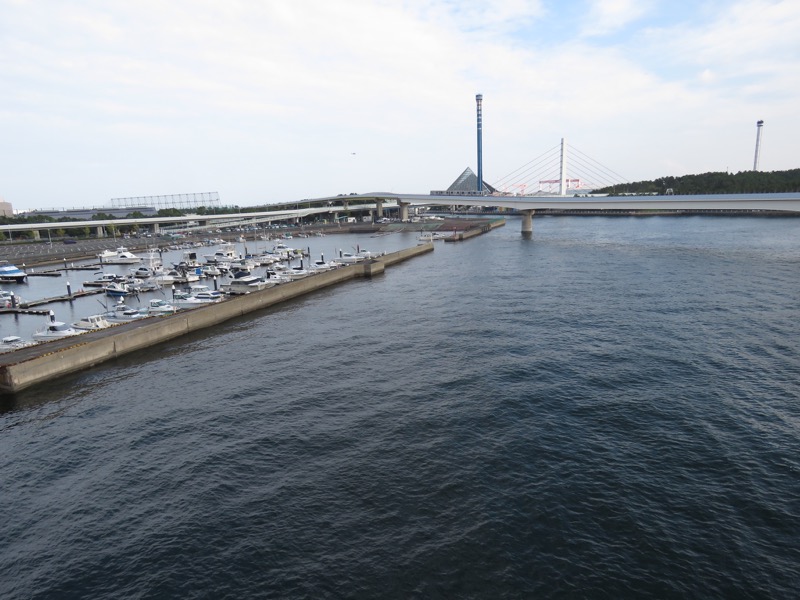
x=759 y=125
x=478 y=102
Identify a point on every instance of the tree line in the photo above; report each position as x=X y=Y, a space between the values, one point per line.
x=743 y=182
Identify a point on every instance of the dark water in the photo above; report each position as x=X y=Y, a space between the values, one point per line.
x=608 y=410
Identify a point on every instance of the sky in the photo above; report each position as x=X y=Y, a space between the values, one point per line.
x=280 y=100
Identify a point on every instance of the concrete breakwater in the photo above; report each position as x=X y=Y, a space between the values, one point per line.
x=26 y=367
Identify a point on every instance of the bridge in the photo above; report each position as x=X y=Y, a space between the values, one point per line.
x=527 y=205
x=376 y=202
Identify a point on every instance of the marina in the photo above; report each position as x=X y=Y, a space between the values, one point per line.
x=123 y=328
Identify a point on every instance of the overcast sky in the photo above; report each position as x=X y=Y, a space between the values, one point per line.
x=275 y=100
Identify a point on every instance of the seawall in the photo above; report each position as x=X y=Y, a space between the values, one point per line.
x=26 y=367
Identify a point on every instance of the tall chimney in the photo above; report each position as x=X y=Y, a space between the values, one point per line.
x=759 y=125
x=479 y=101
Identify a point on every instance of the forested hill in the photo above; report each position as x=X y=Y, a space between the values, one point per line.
x=713 y=183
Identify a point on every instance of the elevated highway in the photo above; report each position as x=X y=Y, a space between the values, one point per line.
x=378 y=201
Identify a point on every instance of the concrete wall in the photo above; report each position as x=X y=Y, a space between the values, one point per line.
x=55 y=359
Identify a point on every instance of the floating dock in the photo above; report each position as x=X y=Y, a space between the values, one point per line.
x=23 y=368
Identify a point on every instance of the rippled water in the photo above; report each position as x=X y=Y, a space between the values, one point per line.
x=608 y=410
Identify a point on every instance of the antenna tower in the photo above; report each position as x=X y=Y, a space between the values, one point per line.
x=759 y=125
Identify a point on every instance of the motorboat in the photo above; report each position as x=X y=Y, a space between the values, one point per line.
x=294 y=273
x=203 y=292
x=120 y=256
x=92 y=322
x=9 y=299
x=226 y=253
x=103 y=279
x=211 y=271
x=107 y=254
x=247 y=284
x=159 y=307
x=430 y=236
x=122 y=313
x=55 y=330
x=117 y=289
x=348 y=258
x=14 y=342
x=323 y=265
x=195 y=296
x=142 y=272
x=9 y=272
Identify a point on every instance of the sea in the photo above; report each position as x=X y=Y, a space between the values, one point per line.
x=610 y=409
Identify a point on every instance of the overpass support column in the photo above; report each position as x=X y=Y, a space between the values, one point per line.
x=36 y=234
x=101 y=233
x=403 y=211
x=378 y=209
x=156 y=228
x=527 y=223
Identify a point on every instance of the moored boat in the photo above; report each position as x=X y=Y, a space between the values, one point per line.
x=55 y=330
x=14 y=342
x=159 y=307
x=91 y=323
x=247 y=284
x=11 y=273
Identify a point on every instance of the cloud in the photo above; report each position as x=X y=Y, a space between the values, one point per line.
x=604 y=17
x=225 y=95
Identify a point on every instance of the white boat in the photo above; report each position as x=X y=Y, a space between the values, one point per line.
x=107 y=254
x=323 y=265
x=120 y=256
x=55 y=330
x=197 y=295
x=92 y=322
x=158 y=307
x=9 y=272
x=247 y=284
x=211 y=271
x=225 y=253
x=184 y=300
x=103 y=279
x=348 y=258
x=430 y=236
x=203 y=292
x=9 y=299
x=117 y=289
x=122 y=313
x=295 y=273
x=14 y=342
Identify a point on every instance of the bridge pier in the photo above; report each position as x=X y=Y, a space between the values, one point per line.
x=527 y=223
x=378 y=209
x=403 y=211
x=101 y=232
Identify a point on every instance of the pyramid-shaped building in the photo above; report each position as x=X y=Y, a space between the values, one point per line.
x=465 y=185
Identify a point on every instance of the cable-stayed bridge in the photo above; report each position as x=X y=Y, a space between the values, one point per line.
x=560 y=170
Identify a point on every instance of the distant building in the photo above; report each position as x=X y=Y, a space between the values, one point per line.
x=6 y=209
x=465 y=185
